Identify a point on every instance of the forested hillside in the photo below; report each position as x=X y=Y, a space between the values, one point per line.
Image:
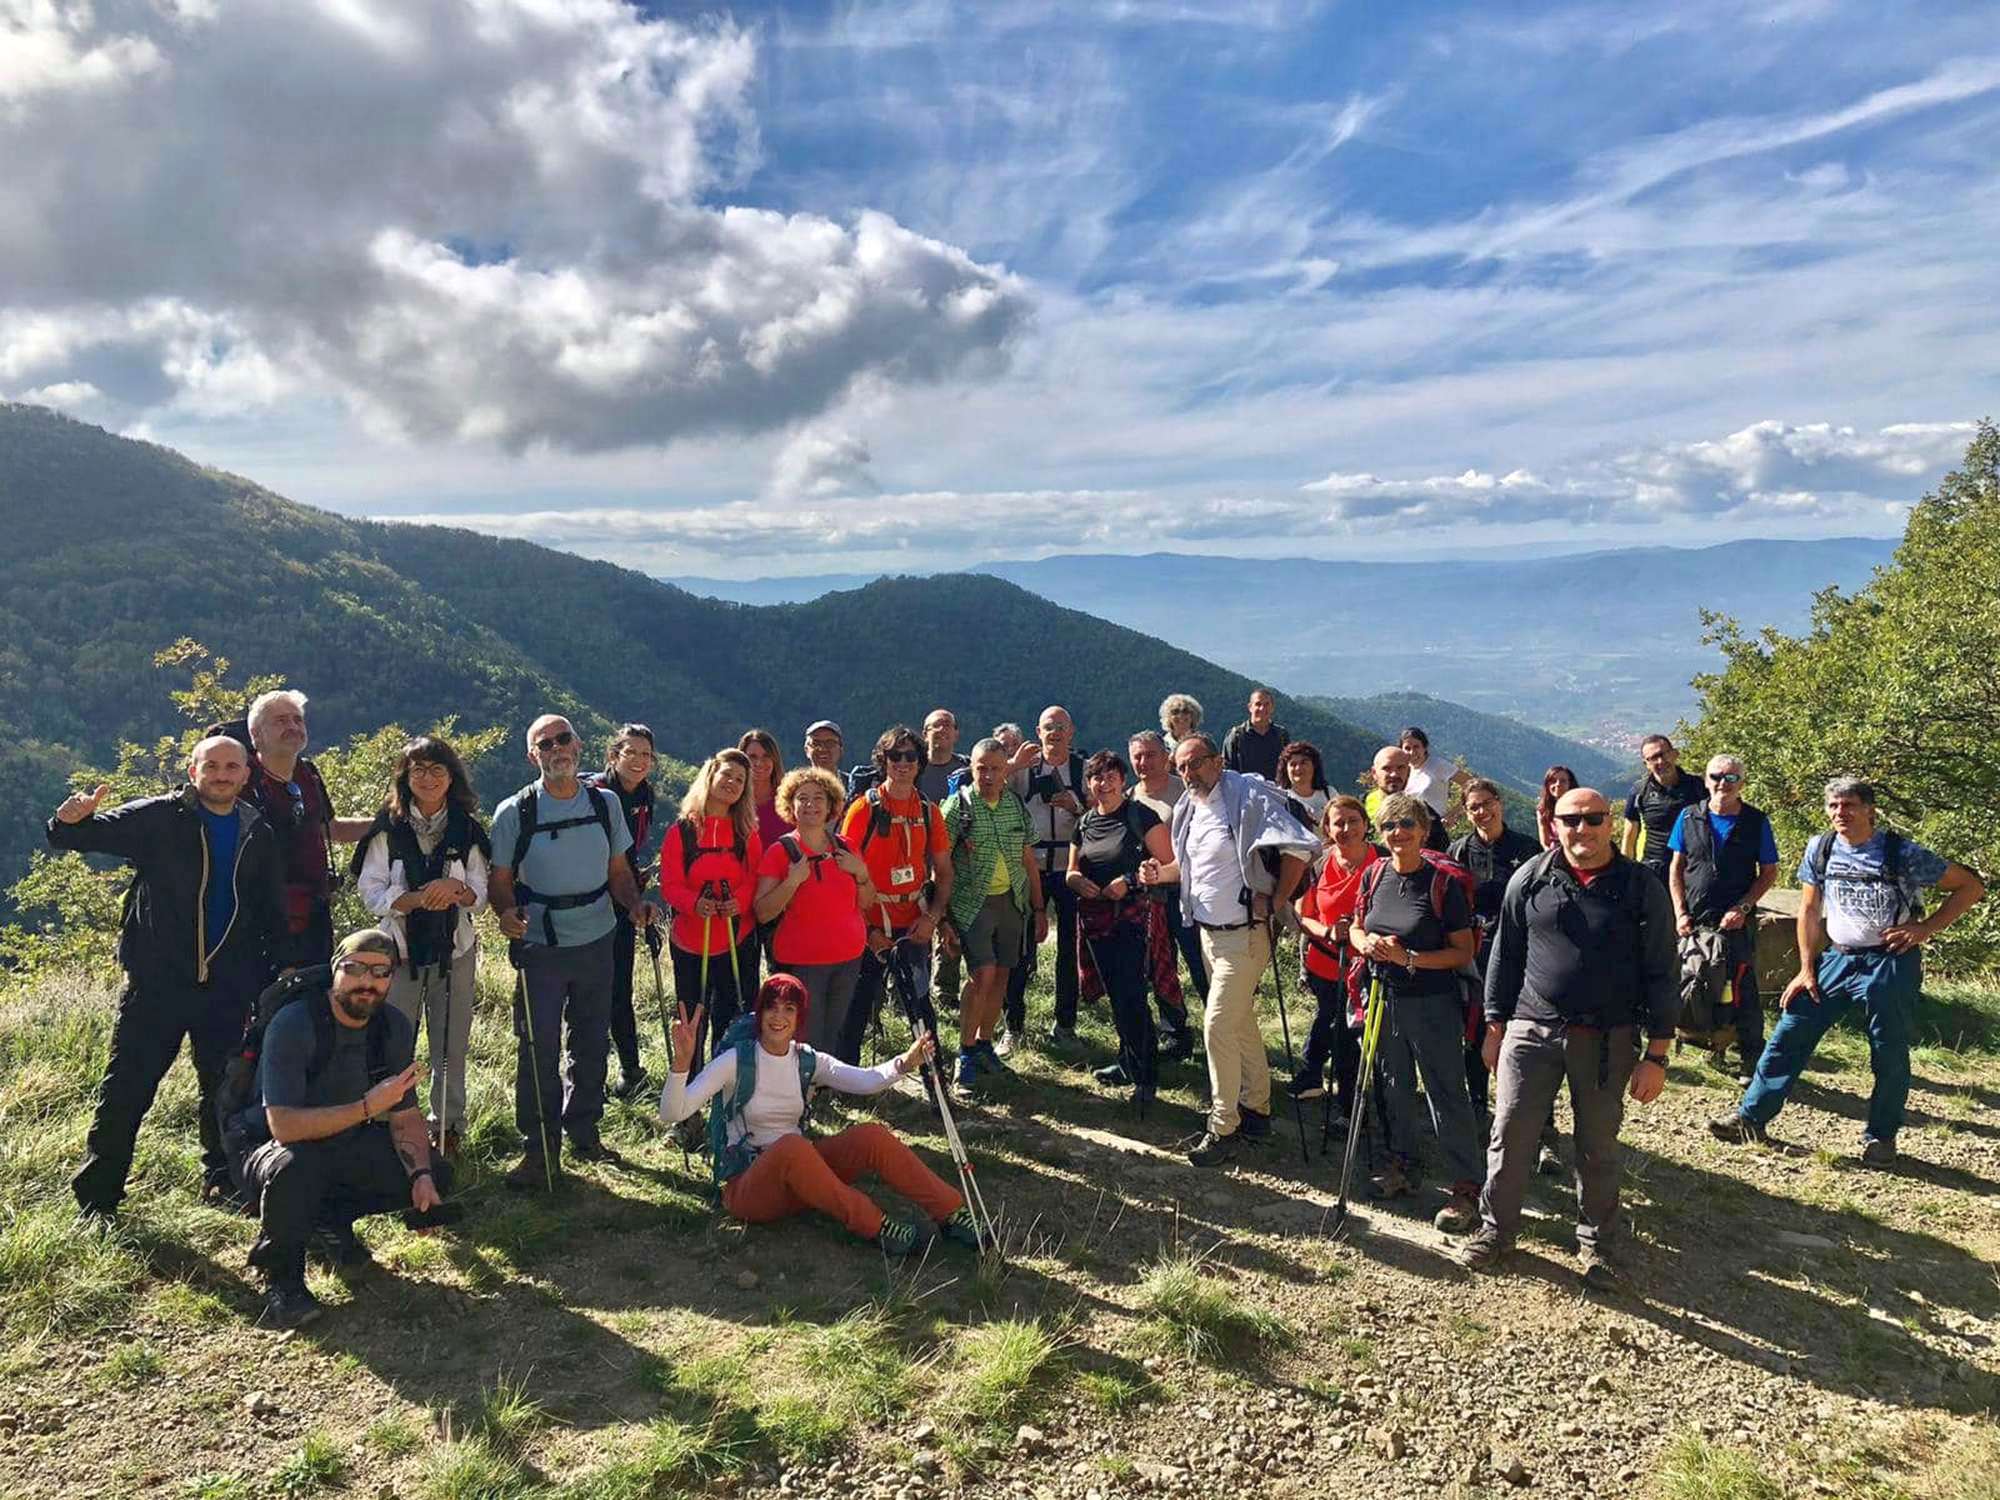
x=1512 y=753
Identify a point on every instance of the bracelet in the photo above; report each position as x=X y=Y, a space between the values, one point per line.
x=1658 y=1062
x=367 y=1114
x=422 y=1172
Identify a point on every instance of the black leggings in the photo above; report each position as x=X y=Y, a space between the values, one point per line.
x=721 y=997
x=1331 y=1036
x=1121 y=961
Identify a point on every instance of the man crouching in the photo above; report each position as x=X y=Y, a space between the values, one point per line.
x=335 y=1077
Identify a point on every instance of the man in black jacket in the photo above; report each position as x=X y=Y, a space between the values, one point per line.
x=1252 y=747
x=1491 y=852
x=201 y=917
x=1583 y=958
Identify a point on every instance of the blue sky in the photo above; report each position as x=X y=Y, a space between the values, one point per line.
x=795 y=288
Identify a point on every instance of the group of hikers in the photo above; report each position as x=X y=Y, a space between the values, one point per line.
x=1442 y=969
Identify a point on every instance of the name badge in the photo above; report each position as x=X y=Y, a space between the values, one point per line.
x=902 y=875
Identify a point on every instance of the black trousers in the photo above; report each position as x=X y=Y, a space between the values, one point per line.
x=1062 y=905
x=721 y=997
x=1121 y=960
x=331 y=1182
x=624 y=1024
x=154 y=1016
x=911 y=988
x=1332 y=1038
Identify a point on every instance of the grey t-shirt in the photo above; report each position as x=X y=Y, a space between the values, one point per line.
x=288 y=1054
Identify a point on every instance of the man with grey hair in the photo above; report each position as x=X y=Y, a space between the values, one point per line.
x=1048 y=778
x=201 y=921
x=1725 y=857
x=1861 y=929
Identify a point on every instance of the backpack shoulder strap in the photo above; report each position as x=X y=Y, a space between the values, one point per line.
x=1892 y=855
x=794 y=850
x=600 y=804
x=808 y=1067
x=1819 y=854
x=322 y=1025
x=531 y=819
x=690 y=843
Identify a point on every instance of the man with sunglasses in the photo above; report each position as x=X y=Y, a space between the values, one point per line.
x=336 y=1081
x=1725 y=857
x=1656 y=803
x=201 y=921
x=559 y=878
x=1582 y=965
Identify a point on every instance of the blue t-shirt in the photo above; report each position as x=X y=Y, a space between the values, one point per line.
x=1856 y=901
x=566 y=862
x=1724 y=824
x=223 y=832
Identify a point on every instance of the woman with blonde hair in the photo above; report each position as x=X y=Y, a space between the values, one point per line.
x=708 y=877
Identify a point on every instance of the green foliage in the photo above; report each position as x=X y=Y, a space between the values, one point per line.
x=319 y=1465
x=1196 y=1315
x=1895 y=682
x=1696 y=1469
x=62 y=1279
x=999 y=1372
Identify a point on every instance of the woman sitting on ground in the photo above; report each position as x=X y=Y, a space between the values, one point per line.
x=1302 y=776
x=1555 y=781
x=1180 y=716
x=1325 y=909
x=816 y=889
x=766 y=1167
x=1112 y=838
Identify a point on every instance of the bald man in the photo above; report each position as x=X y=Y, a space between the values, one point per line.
x=1391 y=774
x=202 y=920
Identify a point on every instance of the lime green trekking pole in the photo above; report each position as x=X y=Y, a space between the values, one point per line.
x=1371 y=1035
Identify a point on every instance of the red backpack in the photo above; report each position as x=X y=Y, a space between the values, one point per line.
x=1445 y=872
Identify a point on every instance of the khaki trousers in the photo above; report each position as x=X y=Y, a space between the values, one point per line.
x=1238 y=1070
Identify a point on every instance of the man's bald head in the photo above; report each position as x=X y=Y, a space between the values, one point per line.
x=1583 y=827
x=219 y=768
x=1392 y=769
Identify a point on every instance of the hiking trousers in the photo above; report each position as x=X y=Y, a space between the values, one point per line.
x=1332 y=1038
x=1186 y=939
x=830 y=1009
x=439 y=1001
x=910 y=987
x=1885 y=986
x=720 y=998
x=624 y=1021
x=1062 y=918
x=797 y=1174
x=572 y=984
x=331 y=1182
x=1239 y=1071
x=1120 y=956
x=154 y=1016
x=1424 y=1035
x=1535 y=1059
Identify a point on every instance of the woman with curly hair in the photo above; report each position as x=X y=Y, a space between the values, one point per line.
x=1180 y=716
x=816 y=889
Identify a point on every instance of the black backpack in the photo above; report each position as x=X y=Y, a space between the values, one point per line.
x=531 y=824
x=238 y=1108
x=429 y=935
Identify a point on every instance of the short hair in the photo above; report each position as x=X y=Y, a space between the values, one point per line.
x=1490 y=788
x=263 y=703
x=1734 y=761
x=202 y=744
x=940 y=710
x=889 y=739
x=1148 y=737
x=694 y=805
x=1655 y=739
x=1179 y=703
x=787 y=987
x=1851 y=786
x=989 y=746
x=805 y=776
x=1205 y=737
x=1341 y=802
x=1260 y=689
x=1106 y=760
x=1010 y=727
x=1414 y=733
x=1403 y=805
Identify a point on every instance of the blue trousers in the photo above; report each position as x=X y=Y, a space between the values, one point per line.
x=1885 y=986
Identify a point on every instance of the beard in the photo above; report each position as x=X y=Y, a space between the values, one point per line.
x=358 y=1005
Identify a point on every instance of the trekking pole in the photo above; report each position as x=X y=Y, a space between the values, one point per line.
x=443 y=1110
x=735 y=968
x=1371 y=1032
x=968 y=1180
x=654 y=943
x=515 y=951
x=1285 y=1029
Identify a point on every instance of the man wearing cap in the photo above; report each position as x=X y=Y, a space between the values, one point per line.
x=824 y=744
x=336 y=1082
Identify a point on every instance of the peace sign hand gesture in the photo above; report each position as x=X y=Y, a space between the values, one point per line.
x=685 y=1031
x=79 y=805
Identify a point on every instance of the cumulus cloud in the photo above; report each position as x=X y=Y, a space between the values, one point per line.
x=818 y=463
x=495 y=220
x=1769 y=468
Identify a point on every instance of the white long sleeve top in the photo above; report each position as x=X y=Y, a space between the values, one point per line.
x=381 y=885
x=776 y=1104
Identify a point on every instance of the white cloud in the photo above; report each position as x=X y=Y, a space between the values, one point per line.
x=818 y=462
x=493 y=221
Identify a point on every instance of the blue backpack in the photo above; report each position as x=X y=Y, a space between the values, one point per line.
x=731 y=1158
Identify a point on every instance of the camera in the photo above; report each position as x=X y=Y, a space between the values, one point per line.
x=1047 y=785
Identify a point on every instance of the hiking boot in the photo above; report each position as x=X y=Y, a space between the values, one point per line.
x=1253 y=1125
x=960 y=1229
x=969 y=1070
x=632 y=1085
x=1064 y=1036
x=1112 y=1076
x=534 y=1174
x=1215 y=1150
x=898 y=1237
x=289 y=1305
x=987 y=1057
x=592 y=1148
x=1483 y=1251
x=1878 y=1153
x=1177 y=1045
x=1306 y=1087
x=1738 y=1131
x=1460 y=1212
x=1548 y=1160
x=1598 y=1271
x=1393 y=1181
x=338 y=1246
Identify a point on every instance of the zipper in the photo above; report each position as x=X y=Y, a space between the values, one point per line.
x=201 y=907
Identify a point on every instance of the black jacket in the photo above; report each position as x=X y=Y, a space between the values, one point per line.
x=1246 y=751
x=1603 y=955
x=162 y=935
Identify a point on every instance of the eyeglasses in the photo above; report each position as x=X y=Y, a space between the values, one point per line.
x=1582 y=820
x=357 y=968
x=1397 y=825
x=823 y=744
x=900 y=755
x=1725 y=778
x=555 y=741
x=427 y=769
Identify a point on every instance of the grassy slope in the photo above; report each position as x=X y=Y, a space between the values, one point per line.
x=623 y=1341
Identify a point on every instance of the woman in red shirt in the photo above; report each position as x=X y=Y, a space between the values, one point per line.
x=1325 y=909
x=816 y=889
x=767 y=769
x=708 y=875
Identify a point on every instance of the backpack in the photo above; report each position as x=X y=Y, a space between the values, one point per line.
x=881 y=820
x=530 y=799
x=428 y=936
x=239 y=731
x=731 y=1158
x=1819 y=854
x=1445 y=873
x=1707 y=1017
x=237 y=1111
x=692 y=848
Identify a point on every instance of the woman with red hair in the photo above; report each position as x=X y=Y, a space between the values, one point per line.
x=765 y=1165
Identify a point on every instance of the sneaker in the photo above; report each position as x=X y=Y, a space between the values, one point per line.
x=1304 y=1087
x=1482 y=1251
x=1746 y=1079
x=1215 y=1150
x=1253 y=1125
x=1737 y=1130
x=1548 y=1161
x=961 y=1229
x=969 y=1069
x=632 y=1085
x=592 y=1148
x=897 y=1237
x=290 y=1305
x=535 y=1173
x=987 y=1056
x=1064 y=1036
x=1460 y=1212
x=1878 y=1153
x=1393 y=1181
x=1005 y=1046
x=1597 y=1270
x=1176 y=1044
x=338 y=1246
x=1112 y=1076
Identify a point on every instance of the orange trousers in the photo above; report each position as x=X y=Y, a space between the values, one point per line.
x=797 y=1174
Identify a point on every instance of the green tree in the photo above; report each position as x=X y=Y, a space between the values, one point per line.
x=1897 y=682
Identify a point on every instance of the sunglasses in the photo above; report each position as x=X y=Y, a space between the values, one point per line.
x=904 y=754
x=298 y=796
x=556 y=741
x=1725 y=778
x=1397 y=825
x=1582 y=820
x=373 y=971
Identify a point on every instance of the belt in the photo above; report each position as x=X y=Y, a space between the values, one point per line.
x=1225 y=926
x=1851 y=949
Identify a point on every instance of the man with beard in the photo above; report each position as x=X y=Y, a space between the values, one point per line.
x=337 y=1080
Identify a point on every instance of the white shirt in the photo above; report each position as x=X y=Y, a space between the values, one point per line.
x=1211 y=874
x=1432 y=782
x=381 y=885
x=775 y=1105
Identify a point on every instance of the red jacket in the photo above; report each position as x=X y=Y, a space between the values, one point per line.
x=1330 y=899
x=717 y=867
